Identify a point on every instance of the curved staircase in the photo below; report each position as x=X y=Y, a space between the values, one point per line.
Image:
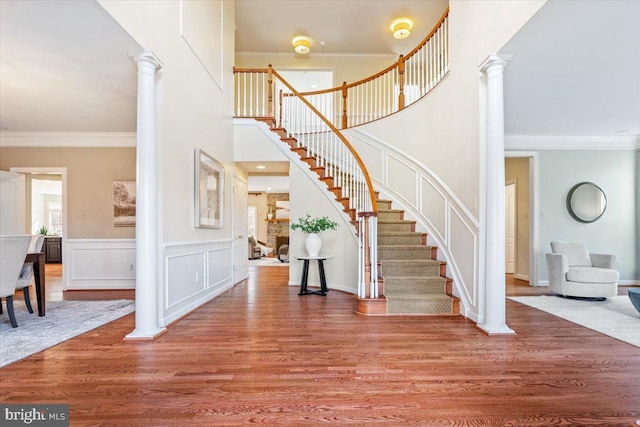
x=414 y=281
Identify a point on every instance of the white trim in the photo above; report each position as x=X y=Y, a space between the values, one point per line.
x=68 y=139
x=204 y=252
x=534 y=210
x=521 y=277
x=318 y=55
x=469 y=292
x=535 y=142
x=111 y=263
x=65 y=207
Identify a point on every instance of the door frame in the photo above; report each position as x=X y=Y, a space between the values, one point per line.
x=234 y=241
x=514 y=184
x=534 y=211
x=65 y=206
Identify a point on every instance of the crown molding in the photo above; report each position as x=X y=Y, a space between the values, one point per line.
x=532 y=142
x=68 y=139
x=318 y=55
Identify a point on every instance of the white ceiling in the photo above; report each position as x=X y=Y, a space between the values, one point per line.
x=575 y=71
x=65 y=65
x=346 y=26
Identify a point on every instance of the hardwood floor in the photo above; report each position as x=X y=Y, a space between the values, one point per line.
x=261 y=354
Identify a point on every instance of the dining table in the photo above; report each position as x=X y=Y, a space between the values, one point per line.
x=38 y=277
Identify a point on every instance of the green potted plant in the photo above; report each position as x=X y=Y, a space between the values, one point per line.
x=43 y=230
x=312 y=227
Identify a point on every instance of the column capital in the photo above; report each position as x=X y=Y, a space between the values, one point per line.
x=148 y=57
x=493 y=61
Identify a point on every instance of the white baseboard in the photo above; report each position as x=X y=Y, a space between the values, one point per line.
x=194 y=273
x=521 y=277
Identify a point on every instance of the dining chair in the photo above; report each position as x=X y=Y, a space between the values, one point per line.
x=24 y=279
x=13 y=250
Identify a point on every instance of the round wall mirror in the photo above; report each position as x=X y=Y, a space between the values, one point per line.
x=586 y=202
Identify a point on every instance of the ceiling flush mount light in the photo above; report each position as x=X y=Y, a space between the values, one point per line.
x=301 y=45
x=401 y=28
x=261 y=167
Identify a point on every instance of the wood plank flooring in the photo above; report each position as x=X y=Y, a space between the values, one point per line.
x=261 y=354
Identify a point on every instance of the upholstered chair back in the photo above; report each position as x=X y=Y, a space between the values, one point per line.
x=576 y=252
x=13 y=250
x=24 y=279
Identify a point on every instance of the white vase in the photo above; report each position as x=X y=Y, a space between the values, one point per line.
x=313 y=244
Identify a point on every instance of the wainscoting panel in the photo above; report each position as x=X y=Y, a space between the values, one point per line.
x=99 y=264
x=219 y=271
x=426 y=199
x=185 y=275
x=194 y=273
x=402 y=177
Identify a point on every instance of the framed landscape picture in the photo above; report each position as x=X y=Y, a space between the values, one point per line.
x=209 y=191
x=124 y=203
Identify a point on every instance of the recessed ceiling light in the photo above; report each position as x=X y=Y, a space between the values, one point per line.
x=261 y=167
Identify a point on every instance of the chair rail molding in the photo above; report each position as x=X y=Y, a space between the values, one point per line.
x=68 y=139
x=194 y=273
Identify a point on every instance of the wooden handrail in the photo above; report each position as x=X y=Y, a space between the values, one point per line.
x=400 y=84
x=426 y=39
x=402 y=58
x=354 y=153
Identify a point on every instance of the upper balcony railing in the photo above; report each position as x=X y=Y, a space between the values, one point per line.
x=352 y=104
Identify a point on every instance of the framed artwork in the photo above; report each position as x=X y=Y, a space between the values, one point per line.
x=209 y=191
x=124 y=203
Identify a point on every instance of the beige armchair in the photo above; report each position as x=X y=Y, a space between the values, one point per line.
x=13 y=250
x=576 y=273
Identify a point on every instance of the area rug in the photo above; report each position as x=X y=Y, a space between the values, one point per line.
x=63 y=320
x=614 y=317
x=267 y=262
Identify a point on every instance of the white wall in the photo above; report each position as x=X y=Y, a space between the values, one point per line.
x=195 y=42
x=615 y=172
x=443 y=131
x=342 y=269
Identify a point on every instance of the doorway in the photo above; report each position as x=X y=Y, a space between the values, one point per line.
x=240 y=230
x=46 y=202
x=521 y=169
x=510 y=227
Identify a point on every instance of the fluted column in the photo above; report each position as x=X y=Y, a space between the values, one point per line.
x=495 y=286
x=146 y=202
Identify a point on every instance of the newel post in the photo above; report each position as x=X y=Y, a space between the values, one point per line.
x=344 y=105
x=270 y=91
x=401 y=82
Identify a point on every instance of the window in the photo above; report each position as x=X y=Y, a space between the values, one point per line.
x=54 y=217
x=251 y=219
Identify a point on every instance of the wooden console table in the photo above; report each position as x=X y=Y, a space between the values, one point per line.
x=38 y=277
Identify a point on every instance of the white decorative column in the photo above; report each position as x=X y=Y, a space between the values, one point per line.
x=146 y=202
x=495 y=286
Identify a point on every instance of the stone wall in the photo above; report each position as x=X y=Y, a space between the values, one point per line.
x=279 y=228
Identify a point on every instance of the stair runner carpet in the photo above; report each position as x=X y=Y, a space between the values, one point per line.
x=412 y=277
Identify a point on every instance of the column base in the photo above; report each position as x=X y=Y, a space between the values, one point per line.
x=495 y=329
x=149 y=335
